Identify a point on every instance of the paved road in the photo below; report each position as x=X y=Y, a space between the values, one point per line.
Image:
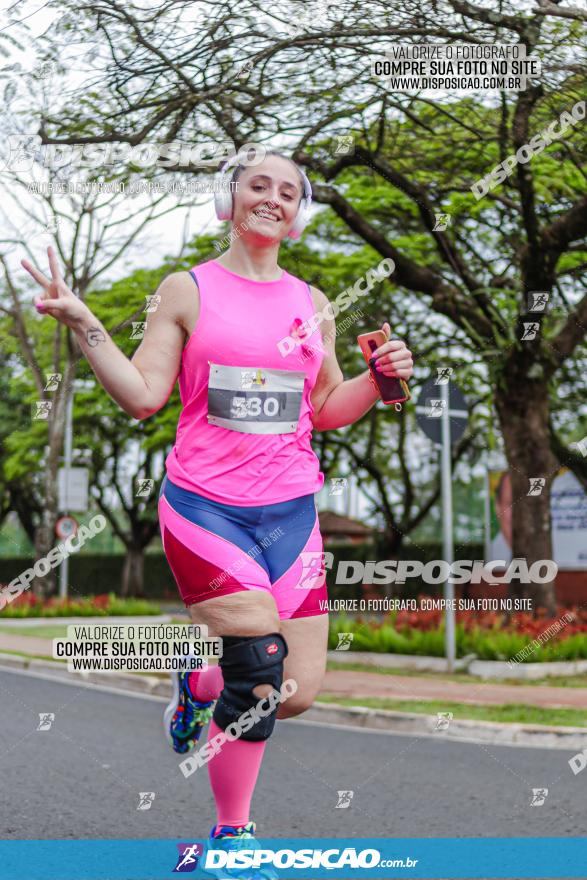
x=82 y=777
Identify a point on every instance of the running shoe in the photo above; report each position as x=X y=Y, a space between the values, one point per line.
x=185 y=717
x=231 y=839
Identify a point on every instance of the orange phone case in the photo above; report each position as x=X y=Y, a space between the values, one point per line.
x=391 y=388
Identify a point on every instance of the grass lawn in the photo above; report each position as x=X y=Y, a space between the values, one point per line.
x=510 y=713
x=32 y=656
x=46 y=631
x=578 y=681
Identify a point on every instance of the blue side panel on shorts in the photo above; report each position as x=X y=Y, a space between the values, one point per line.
x=284 y=531
x=227 y=521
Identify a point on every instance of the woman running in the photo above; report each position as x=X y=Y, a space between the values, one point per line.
x=238 y=519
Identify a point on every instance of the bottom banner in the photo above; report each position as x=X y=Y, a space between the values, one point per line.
x=372 y=857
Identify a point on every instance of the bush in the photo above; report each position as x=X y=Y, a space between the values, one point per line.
x=98 y=573
x=480 y=634
x=520 y=622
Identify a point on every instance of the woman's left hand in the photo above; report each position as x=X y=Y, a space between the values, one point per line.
x=393 y=358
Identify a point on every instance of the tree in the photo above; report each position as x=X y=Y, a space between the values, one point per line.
x=88 y=240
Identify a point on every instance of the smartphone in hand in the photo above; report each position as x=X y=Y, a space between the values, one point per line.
x=391 y=388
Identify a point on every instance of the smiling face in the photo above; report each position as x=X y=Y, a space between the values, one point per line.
x=266 y=200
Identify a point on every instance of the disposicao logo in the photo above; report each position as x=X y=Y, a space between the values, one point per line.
x=187 y=861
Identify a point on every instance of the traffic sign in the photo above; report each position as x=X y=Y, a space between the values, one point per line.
x=430 y=408
x=66 y=526
x=72 y=485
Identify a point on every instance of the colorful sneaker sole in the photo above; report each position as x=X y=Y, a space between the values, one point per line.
x=202 y=713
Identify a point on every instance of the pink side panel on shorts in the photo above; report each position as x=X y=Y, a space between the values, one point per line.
x=296 y=594
x=205 y=565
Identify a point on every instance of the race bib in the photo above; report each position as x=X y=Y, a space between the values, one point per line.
x=255 y=400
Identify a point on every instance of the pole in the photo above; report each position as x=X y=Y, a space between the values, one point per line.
x=487 y=516
x=67 y=459
x=447 y=526
x=349 y=492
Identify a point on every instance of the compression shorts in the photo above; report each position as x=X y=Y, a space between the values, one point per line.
x=216 y=549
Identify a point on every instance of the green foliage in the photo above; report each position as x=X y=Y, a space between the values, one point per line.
x=494 y=644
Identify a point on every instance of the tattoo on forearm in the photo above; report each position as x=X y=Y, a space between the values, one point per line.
x=94 y=335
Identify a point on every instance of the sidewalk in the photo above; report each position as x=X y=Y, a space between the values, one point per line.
x=357 y=685
x=361 y=685
x=27 y=644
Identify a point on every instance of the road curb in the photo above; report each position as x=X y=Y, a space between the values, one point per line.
x=408 y=723
x=124 y=681
x=485 y=669
x=488 y=732
x=417 y=662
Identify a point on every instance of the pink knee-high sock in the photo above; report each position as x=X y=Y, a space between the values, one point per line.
x=206 y=684
x=234 y=770
x=233 y=774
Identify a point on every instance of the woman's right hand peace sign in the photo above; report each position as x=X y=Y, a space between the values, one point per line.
x=56 y=298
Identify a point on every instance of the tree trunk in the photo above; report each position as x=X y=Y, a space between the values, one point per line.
x=523 y=414
x=388 y=546
x=46 y=584
x=133 y=581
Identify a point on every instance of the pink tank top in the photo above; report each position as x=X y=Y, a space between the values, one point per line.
x=244 y=432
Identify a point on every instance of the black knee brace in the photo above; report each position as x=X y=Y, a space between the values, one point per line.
x=247 y=662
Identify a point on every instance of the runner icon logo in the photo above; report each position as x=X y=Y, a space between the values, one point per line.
x=443 y=720
x=146 y=799
x=46 y=719
x=539 y=796
x=344 y=800
x=189 y=854
x=314 y=565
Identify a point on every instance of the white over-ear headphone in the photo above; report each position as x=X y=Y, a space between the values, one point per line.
x=223 y=198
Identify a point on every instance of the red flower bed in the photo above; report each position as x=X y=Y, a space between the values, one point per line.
x=104 y=604
x=519 y=622
x=30 y=600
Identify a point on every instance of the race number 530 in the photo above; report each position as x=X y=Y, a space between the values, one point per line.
x=244 y=407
